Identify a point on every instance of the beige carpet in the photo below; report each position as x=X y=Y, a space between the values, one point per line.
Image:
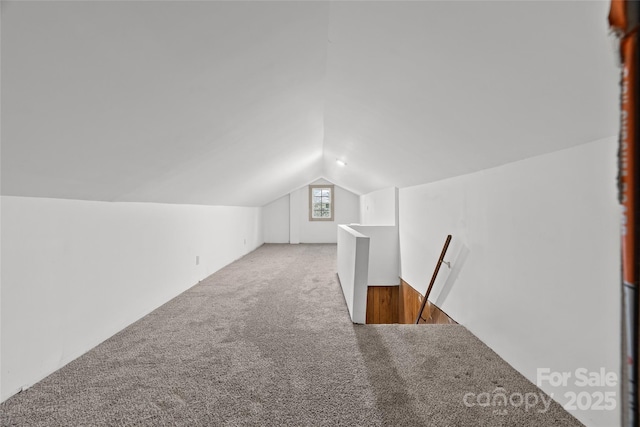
x=268 y=341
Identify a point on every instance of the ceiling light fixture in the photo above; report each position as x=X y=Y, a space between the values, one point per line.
x=341 y=162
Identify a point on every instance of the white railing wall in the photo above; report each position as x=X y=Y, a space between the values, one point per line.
x=353 y=271
x=368 y=255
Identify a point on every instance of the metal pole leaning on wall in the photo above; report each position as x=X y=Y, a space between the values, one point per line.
x=433 y=277
x=623 y=18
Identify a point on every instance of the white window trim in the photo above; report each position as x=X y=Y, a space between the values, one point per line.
x=333 y=202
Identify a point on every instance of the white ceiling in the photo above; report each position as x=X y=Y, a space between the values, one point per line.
x=238 y=103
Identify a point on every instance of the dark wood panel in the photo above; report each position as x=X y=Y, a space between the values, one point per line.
x=384 y=296
x=382 y=304
x=409 y=304
x=376 y=305
x=444 y=317
x=410 y=301
x=395 y=304
x=370 y=298
x=433 y=315
x=400 y=304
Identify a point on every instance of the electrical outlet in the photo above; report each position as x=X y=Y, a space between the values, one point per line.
x=197 y=260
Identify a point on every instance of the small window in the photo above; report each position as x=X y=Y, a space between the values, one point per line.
x=321 y=203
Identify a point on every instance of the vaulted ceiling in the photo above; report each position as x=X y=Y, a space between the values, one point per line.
x=238 y=103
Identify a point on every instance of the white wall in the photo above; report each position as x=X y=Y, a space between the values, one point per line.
x=379 y=207
x=295 y=200
x=535 y=255
x=379 y=221
x=275 y=217
x=384 y=257
x=346 y=211
x=76 y=272
x=353 y=262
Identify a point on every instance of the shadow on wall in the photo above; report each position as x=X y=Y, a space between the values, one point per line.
x=458 y=264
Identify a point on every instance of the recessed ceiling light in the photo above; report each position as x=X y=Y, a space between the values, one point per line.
x=341 y=162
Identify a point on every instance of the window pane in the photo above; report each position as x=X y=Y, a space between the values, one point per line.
x=321 y=203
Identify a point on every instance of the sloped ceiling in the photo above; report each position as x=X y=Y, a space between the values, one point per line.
x=238 y=103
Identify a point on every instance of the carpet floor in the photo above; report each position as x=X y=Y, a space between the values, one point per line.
x=268 y=341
